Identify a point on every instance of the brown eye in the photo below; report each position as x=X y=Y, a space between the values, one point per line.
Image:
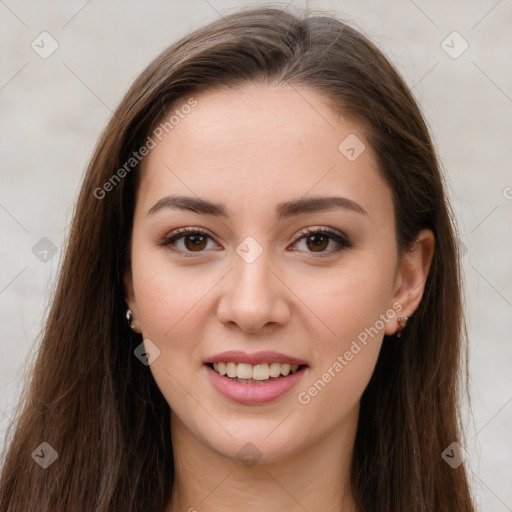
x=186 y=240
x=195 y=242
x=317 y=240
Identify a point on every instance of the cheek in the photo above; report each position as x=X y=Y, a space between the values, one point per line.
x=169 y=299
x=172 y=304
x=343 y=364
x=353 y=309
x=347 y=300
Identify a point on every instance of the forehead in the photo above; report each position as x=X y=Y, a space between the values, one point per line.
x=261 y=144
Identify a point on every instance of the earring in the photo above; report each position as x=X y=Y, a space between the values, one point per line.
x=402 y=322
x=129 y=317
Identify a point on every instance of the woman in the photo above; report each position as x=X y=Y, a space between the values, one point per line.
x=260 y=303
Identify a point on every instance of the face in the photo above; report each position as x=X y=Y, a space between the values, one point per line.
x=303 y=288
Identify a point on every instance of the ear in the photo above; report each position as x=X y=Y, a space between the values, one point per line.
x=412 y=276
x=130 y=300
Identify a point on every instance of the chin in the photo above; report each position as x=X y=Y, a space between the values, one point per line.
x=252 y=445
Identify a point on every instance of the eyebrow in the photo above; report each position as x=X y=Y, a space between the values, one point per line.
x=283 y=210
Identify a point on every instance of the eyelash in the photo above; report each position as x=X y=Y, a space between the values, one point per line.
x=339 y=238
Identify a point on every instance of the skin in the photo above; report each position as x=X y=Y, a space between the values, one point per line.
x=290 y=301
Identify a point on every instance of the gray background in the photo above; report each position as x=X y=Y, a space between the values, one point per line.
x=53 y=110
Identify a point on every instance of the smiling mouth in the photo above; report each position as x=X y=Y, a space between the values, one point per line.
x=263 y=373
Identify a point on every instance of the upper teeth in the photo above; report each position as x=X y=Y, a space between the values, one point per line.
x=257 y=371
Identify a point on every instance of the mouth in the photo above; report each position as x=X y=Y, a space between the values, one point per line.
x=253 y=379
x=262 y=373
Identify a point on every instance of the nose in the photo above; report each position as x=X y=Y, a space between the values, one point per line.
x=254 y=297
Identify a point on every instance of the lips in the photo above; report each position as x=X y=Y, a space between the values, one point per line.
x=254 y=378
x=255 y=358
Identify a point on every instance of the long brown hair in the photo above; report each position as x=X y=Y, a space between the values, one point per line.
x=99 y=408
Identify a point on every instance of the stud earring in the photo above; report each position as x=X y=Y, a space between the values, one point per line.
x=129 y=318
x=402 y=322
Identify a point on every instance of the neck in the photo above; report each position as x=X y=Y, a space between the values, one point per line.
x=317 y=477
